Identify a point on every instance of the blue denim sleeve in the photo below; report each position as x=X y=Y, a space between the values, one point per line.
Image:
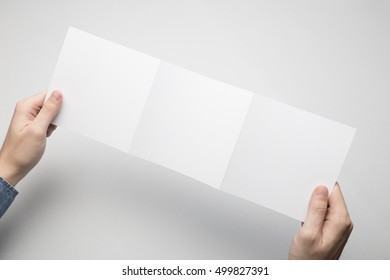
x=7 y=196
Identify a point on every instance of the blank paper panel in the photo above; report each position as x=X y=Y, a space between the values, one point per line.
x=105 y=88
x=191 y=124
x=283 y=153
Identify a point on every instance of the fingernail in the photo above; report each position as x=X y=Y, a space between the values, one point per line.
x=321 y=192
x=57 y=95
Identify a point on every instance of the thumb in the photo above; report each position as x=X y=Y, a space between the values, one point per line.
x=318 y=207
x=49 y=110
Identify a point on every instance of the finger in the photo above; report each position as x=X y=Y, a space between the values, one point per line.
x=340 y=248
x=336 y=200
x=49 y=110
x=50 y=129
x=29 y=107
x=33 y=101
x=318 y=207
x=338 y=219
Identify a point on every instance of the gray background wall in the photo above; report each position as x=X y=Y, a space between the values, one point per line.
x=86 y=200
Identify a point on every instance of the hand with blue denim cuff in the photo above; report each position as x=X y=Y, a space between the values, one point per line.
x=25 y=141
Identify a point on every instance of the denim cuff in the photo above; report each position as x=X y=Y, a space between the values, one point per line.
x=7 y=195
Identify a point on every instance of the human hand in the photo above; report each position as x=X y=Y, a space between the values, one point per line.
x=25 y=142
x=326 y=228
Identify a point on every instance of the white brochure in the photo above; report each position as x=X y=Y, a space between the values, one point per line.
x=231 y=139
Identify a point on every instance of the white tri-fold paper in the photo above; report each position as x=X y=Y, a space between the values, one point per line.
x=229 y=138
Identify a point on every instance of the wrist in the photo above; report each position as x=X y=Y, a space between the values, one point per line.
x=8 y=173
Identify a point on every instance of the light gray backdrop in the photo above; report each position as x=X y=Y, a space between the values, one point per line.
x=86 y=200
